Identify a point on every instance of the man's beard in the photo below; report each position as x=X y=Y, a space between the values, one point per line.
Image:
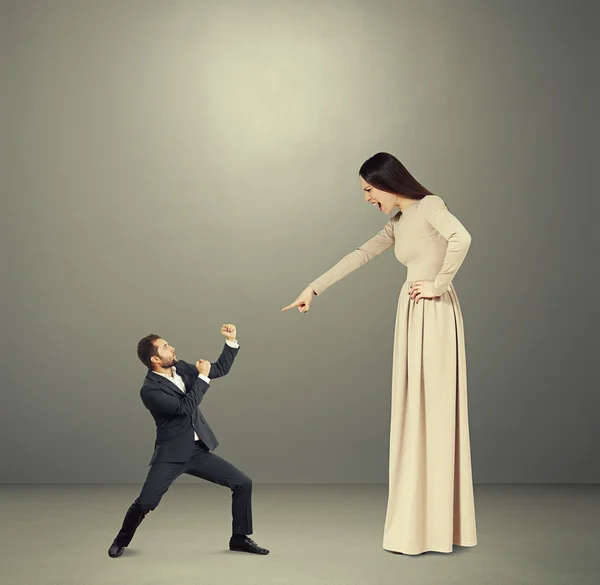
x=171 y=363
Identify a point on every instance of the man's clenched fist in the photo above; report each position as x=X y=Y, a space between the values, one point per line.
x=203 y=367
x=228 y=330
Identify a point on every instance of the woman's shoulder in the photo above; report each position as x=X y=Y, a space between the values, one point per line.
x=433 y=200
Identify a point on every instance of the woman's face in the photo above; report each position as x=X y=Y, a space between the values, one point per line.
x=383 y=200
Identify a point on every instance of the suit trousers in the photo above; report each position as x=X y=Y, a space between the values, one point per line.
x=202 y=464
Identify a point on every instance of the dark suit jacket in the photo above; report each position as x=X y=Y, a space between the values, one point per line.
x=177 y=414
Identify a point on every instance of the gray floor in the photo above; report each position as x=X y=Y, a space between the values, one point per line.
x=318 y=534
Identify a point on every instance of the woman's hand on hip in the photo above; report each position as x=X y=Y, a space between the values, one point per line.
x=303 y=301
x=422 y=289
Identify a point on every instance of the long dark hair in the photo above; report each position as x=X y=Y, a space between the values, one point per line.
x=386 y=173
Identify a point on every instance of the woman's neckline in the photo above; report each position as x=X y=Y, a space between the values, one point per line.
x=410 y=205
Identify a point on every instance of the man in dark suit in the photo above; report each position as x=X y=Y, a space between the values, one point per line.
x=172 y=391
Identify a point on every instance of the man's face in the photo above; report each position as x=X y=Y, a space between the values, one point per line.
x=166 y=357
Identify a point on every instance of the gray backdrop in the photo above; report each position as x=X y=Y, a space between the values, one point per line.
x=171 y=166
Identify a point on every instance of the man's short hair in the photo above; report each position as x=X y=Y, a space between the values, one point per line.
x=146 y=349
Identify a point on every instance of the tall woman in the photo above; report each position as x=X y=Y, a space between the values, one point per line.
x=430 y=502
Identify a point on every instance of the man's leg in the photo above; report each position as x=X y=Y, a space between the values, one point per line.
x=213 y=468
x=159 y=479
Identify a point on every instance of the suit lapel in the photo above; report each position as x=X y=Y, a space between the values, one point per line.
x=164 y=382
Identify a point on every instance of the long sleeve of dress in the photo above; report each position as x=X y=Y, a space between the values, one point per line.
x=450 y=228
x=349 y=263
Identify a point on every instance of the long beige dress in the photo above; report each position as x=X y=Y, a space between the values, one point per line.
x=430 y=503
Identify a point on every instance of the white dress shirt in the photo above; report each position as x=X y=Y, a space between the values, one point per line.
x=178 y=380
